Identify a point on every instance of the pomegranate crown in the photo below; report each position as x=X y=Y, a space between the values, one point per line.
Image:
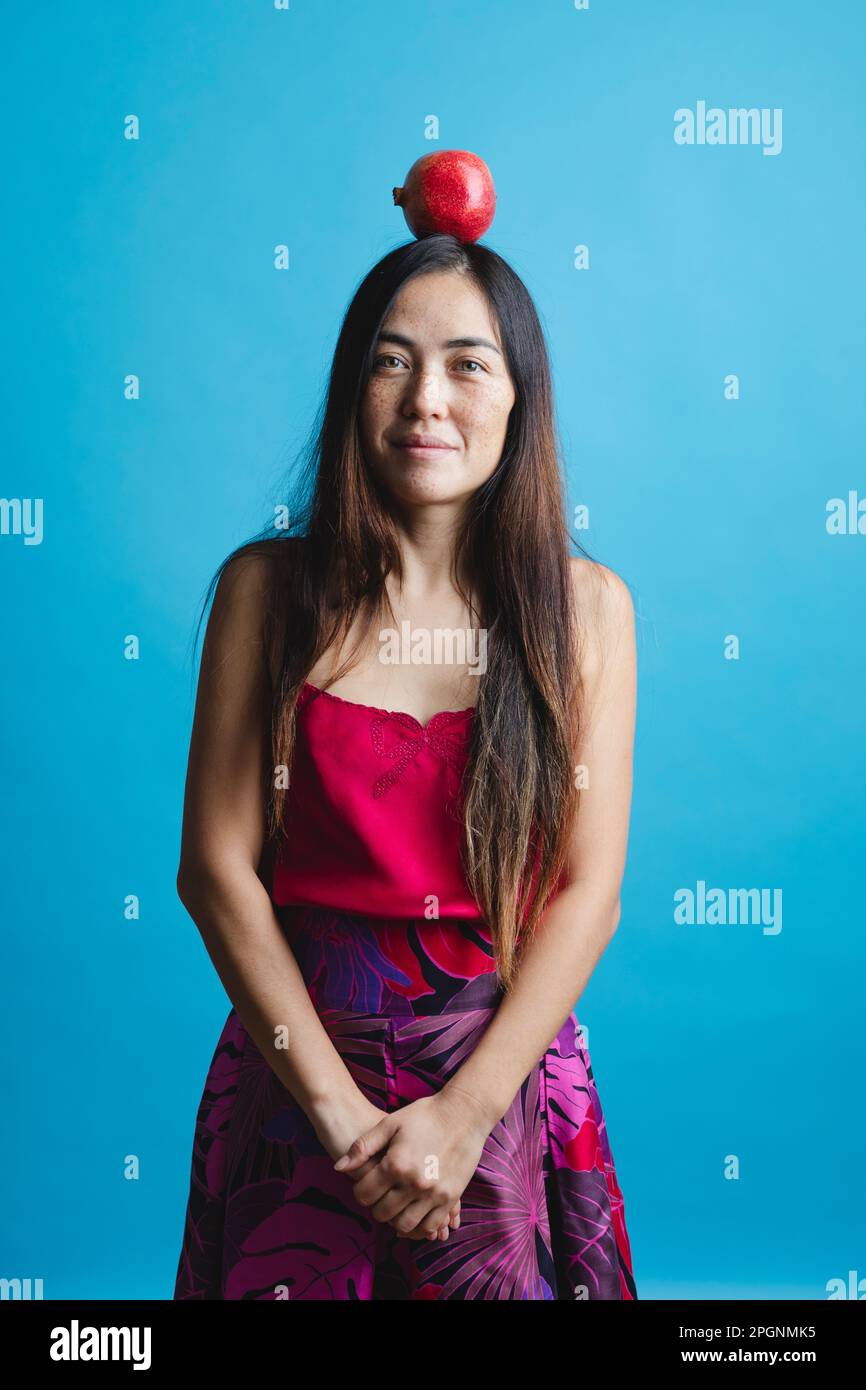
x=449 y=191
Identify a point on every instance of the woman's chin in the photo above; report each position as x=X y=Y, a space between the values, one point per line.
x=415 y=485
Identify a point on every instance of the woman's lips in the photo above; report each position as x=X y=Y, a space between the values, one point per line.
x=425 y=451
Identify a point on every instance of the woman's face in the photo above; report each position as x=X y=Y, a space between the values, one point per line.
x=426 y=383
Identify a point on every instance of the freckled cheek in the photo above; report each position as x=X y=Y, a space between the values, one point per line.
x=375 y=412
x=377 y=405
x=487 y=419
x=377 y=391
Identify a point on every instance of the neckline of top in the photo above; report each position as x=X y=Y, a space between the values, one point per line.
x=404 y=714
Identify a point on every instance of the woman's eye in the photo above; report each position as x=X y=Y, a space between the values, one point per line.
x=385 y=357
x=472 y=363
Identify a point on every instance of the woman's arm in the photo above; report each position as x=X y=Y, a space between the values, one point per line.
x=582 y=919
x=224 y=828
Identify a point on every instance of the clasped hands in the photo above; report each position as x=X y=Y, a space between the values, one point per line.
x=411 y=1167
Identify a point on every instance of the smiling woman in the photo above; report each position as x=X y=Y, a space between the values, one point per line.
x=390 y=863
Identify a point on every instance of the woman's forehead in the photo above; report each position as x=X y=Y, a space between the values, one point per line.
x=452 y=308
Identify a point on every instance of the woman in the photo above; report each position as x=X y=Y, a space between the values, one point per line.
x=401 y=1104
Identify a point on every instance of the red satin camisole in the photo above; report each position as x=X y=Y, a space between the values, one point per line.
x=373 y=814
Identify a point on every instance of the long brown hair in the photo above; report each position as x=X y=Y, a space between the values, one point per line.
x=333 y=549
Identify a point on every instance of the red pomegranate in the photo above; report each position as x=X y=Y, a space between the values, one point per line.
x=448 y=191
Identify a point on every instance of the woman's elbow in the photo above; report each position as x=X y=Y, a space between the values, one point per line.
x=589 y=902
x=194 y=881
x=185 y=883
x=204 y=883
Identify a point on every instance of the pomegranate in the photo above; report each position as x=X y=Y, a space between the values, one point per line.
x=448 y=191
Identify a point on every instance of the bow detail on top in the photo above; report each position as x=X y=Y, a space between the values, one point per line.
x=399 y=738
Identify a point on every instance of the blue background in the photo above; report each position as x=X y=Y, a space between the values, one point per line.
x=155 y=257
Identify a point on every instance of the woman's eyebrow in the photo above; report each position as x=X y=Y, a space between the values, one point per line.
x=451 y=342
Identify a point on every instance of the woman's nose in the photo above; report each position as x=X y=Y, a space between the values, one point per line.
x=425 y=391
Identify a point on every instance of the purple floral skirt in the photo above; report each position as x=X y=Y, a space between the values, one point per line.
x=404 y=1002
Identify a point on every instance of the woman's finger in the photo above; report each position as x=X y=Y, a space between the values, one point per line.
x=453 y=1224
x=371 y=1142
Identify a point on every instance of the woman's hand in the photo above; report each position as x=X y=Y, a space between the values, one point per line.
x=338 y=1126
x=427 y=1153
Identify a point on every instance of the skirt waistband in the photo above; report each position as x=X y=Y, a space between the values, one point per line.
x=401 y=967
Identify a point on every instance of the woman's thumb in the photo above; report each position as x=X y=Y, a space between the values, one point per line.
x=371 y=1142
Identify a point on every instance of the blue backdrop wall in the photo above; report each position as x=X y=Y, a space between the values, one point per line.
x=708 y=356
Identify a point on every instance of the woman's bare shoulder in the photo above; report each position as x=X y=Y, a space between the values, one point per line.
x=260 y=555
x=256 y=567
x=244 y=580
x=605 y=615
x=600 y=589
x=247 y=598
